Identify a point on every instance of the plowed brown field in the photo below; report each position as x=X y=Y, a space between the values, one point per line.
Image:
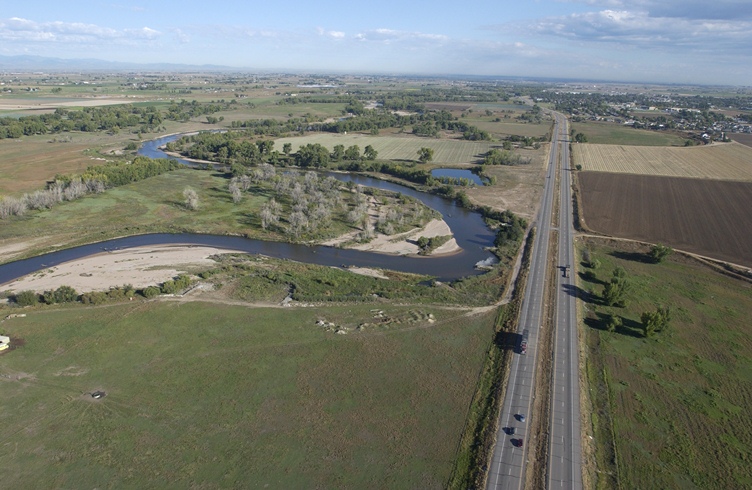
x=708 y=217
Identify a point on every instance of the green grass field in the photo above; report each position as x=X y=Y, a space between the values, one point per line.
x=398 y=148
x=679 y=402
x=616 y=134
x=225 y=396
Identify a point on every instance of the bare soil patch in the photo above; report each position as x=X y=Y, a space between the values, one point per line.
x=742 y=138
x=706 y=217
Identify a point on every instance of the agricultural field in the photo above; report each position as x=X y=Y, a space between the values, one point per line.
x=723 y=161
x=671 y=411
x=742 y=138
x=605 y=133
x=707 y=217
x=212 y=396
x=399 y=148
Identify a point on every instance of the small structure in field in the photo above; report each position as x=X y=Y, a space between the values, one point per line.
x=4 y=342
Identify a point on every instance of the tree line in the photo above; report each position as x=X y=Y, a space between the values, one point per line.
x=96 y=179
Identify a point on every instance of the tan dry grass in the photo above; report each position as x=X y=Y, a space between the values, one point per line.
x=725 y=161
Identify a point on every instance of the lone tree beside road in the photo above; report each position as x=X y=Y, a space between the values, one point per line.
x=659 y=251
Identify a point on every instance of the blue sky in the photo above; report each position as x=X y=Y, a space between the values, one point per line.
x=673 y=41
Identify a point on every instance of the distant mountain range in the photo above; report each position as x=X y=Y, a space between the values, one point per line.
x=40 y=63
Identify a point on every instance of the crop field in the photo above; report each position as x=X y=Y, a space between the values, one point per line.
x=672 y=411
x=606 y=133
x=399 y=148
x=727 y=161
x=708 y=217
x=743 y=138
x=220 y=396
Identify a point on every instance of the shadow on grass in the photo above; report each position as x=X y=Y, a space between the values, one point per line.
x=584 y=295
x=591 y=279
x=599 y=321
x=633 y=256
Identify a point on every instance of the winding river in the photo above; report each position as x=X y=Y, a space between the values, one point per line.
x=469 y=230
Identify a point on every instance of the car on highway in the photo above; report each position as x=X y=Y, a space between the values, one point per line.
x=521 y=417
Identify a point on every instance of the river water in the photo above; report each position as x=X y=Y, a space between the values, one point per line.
x=471 y=233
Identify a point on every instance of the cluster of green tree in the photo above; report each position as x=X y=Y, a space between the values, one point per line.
x=117 y=174
x=271 y=127
x=66 y=294
x=96 y=179
x=227 y=147
x=525 y=140
x=352 y=104
x=655 y=321
x=415 y=100
x=659 y=252
x=63 y=294
x=428 y=245
x=510 y=227
x=615 y=291
x=458 y=181
x=494 y=156
x=402 y=171
x=183 y=111
x=534 y=115
x=89 y=119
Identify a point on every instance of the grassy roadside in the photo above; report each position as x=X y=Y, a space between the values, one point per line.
x=671 y=410
x=476 y=445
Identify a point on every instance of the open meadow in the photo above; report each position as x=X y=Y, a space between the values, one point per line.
x=607 y=133
x=215 y=396
x=707 y=217
x=671 y=411
x=723 y=161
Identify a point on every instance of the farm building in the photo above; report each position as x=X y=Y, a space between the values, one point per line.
x=4 y=342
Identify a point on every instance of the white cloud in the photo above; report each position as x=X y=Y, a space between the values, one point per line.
x=640 y=29
x=17 y=29
x=388 y=36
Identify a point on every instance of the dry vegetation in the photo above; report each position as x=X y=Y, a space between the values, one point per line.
x=727 y=161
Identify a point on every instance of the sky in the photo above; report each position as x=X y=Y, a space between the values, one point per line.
x=663 y=41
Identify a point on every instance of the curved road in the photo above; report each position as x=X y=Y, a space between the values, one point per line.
x=507 y=470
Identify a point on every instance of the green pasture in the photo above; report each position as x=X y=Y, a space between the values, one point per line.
x=218 y=396
x=676 y=406
x=616 y=134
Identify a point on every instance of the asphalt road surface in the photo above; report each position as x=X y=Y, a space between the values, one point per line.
x=507 y=470
x=564 y=451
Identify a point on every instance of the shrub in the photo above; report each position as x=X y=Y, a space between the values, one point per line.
x=26 y=298
x=150 y=292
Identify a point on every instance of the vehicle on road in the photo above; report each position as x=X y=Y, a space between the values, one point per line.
x=521 y=417
x=523 y=342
